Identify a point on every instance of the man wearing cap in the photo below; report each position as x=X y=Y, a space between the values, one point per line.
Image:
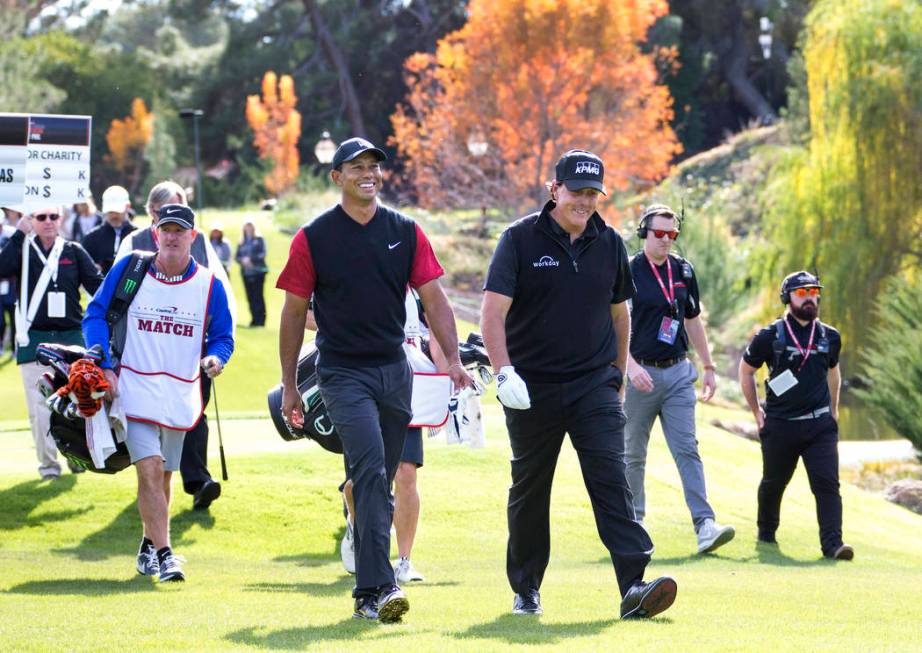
x=799 y=418
x=49 y=273
x=665 y=315
x=556 y=326
x=196 y=479
x=356 y=260
x=153 y=363
x=103 y=242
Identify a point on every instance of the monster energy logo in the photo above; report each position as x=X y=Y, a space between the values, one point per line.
x=130 y=285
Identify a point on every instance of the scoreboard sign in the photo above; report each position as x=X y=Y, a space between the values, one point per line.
x=44 y=160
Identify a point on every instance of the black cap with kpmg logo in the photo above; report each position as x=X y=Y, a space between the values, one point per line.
x=578 y=169
x=177 y=214
x=350 y=149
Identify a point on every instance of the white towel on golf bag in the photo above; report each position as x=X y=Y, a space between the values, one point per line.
x=465 y=423
x=431 y=390
x=99 y=430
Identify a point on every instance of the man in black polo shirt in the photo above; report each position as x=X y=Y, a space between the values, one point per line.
x=800 y=415
x=357 y=260
x=556 y=326
x=665 y=315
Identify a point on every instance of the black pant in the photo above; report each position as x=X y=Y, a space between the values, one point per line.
x=7 y=310
x=370 y=408
x=194 y=463
x=815 y=440
x=254 y=288
x=590 y=411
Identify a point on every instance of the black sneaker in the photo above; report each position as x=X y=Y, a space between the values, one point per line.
x=645 y=600
x=171 y=569
x=209 y=491
x=844 y=552
x=148 y=563
x=527 y=603
x=366 y=607
x=392 y=605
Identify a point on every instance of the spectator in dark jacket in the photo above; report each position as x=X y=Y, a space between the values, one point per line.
x=103 y=241
x=251 y=255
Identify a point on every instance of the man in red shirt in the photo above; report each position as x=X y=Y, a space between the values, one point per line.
x=356 y=261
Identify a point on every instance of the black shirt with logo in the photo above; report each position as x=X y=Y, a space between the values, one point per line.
x=559 y=326
x=812 y=389
x=650 y=306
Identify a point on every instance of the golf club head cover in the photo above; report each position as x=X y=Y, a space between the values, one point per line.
x=86 y=386
x=511 y=389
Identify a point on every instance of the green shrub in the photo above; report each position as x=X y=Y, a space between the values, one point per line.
x=893 y=362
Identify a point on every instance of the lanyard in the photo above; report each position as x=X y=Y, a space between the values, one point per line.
x=53 y=257
x=670 y=294
x=804 y=353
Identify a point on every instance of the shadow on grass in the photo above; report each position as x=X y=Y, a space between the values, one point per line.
x=20 y=501
x=181 y=523
x=340 y=587
x=316 y=558
x=118 y=537
x=520 y=629
x=297 y=639
x=85 y=586
x=770 y=554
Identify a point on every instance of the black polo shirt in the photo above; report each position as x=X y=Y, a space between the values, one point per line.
x=812 y=389
x=649 y=307
x=559 y=325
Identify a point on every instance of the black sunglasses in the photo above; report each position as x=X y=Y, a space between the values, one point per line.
x=50 y=216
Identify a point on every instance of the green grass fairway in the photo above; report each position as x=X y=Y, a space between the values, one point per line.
x=264 y=572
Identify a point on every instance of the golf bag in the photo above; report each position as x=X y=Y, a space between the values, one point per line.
x=68 y=428
x=317 y=423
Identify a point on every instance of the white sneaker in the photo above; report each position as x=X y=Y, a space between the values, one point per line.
x=347 y=549
x=404 y=572
x=712 y=535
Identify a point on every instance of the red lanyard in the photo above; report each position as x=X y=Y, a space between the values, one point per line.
x=670 y=294
x=803 y=353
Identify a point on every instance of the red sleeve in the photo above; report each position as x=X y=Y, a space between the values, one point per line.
x=298 y=277
x=426 y=266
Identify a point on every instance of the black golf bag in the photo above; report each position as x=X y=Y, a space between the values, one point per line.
x=68 y=428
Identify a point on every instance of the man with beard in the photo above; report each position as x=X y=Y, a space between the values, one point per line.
x=799 y=418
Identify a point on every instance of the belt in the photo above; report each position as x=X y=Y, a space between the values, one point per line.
x=666 y=362
x=819 y=412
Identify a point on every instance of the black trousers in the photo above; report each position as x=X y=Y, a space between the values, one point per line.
x=253 y=284
x=814 y=440
x=7 y=311
x=194 y=463
x=370 y=408
x=589 y=409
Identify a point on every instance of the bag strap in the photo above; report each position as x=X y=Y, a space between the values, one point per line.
x=779 y=344
x=128 y=285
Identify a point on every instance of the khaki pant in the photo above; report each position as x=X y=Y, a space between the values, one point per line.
x=40 y=418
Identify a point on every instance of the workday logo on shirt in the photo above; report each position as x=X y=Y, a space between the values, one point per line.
x=546 y=262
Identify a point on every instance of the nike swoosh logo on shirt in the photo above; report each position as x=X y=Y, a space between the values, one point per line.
x=394 y=245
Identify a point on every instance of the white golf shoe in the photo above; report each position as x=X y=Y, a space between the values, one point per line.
x=712 y=535
x=404 y=572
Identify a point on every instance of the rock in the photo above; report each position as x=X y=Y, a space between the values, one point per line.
x=907 y=493
x=747 y=430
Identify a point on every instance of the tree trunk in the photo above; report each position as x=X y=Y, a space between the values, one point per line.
x=337 y=59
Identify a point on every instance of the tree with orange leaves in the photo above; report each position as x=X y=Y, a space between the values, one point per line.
x=276 y=129
x=127 y=140
x=532 y=79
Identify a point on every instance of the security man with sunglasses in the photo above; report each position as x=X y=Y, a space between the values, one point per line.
x=799 y=418
x=49 y=271
x=665 y=315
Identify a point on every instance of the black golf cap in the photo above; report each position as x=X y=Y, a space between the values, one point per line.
x=177 y=214
x=350 y=149
x=578 y=169
x=802 y=279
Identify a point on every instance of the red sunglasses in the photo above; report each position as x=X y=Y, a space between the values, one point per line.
x=659 y=233
x=50 y=216
x=803 y=292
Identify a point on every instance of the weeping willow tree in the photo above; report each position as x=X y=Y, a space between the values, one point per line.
x=851 y=200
